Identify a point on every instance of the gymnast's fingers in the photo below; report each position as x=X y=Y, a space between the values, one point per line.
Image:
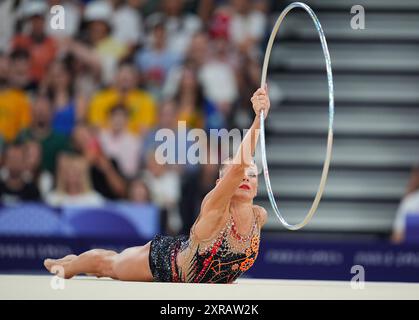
x=259 y=92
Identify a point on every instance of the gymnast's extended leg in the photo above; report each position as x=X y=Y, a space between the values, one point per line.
x=129 y=265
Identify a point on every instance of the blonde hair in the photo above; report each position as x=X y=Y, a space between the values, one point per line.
x=68 y=161
x=226 y=162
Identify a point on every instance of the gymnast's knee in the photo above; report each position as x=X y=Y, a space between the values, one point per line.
x=129 y=265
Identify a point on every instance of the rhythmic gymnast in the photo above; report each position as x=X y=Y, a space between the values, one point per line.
x=223 y=242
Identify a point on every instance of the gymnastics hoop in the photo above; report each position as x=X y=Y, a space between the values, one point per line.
x=326 y=163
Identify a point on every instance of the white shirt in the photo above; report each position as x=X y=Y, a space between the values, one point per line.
x=90 y=199
x=180 y=31
x=127 y=26
x=247 y=26
x=7 y=23
x=124 y=148
x=408 y=206
x=219 y=82
x=165 y=189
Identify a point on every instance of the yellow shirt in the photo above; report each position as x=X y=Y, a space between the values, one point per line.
x=110 y=47
x=140 y=104
x=15 y=113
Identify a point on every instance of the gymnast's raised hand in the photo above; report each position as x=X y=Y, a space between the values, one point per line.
x=223 y=242
x=260 y=101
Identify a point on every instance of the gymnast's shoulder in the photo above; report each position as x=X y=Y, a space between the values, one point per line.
x=261 y=212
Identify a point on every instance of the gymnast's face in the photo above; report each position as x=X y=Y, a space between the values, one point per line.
x=248 y=188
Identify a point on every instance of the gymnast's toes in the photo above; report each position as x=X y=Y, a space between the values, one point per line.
x=48 y=263
x=58 y=267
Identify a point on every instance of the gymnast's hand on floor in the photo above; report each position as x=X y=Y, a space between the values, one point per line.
x=260 y=101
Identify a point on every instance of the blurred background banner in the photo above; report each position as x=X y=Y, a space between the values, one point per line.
x=85 y=87
x=120 y=220
x=25 y=254
x=278 y=258
x=317 y=259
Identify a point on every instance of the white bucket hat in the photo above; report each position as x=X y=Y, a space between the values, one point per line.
x=98 y=10
x=33 y=8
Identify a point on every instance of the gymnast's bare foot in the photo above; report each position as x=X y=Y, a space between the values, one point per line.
x=65 y=263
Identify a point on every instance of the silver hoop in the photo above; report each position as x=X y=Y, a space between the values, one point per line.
x=331 y=117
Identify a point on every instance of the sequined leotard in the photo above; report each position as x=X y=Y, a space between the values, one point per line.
x=220 y=259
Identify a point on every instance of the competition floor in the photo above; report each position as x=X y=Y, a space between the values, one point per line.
x=39 y=287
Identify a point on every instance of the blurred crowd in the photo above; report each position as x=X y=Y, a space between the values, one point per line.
x=80 y=106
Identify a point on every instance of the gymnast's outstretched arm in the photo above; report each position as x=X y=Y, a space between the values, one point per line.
x=220 y=196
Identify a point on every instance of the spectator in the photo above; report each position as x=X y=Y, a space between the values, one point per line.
x=247 y=26
x=127 y=22
x=190 y=100
x=139 y=103
x=119 y=144
x=196 y=55
x=243 y=62
x=95 y=57
x=205 y=10
x=15 y=112
x=41 y=47
x=180 y=26
x=73 y=184
x=219 y=80
x=14 y=186
x=408 y=205
x=2 y=147
x=248 y=82
x=8 y=16
x=198 y=51
x=190 y=173
x=215 y=70
x=164 y=184
x=194 y=107
x=19 y=76
x=52 y=143
x=85 y=66
x=105 y=174
x=98 y=16
x=156 y=59
x=167 y=119
x=59 y=85
x=43 y=179
x=139 y=192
